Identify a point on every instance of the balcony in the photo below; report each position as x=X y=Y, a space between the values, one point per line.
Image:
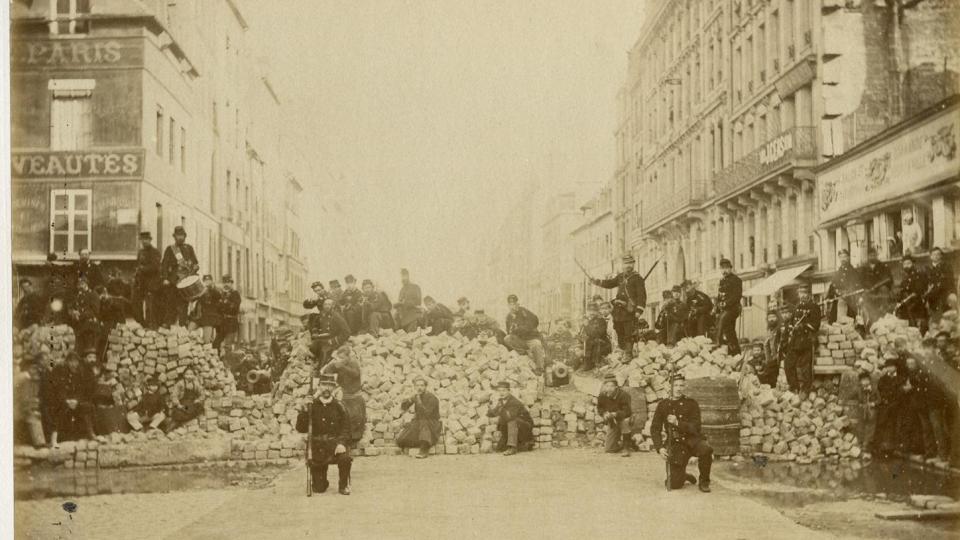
x=661 y=207
x=798 y=144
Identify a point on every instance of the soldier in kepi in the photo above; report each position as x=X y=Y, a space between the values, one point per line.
x=699 y=307
x=628 y=304
x=146 y=301
x=801 y=343
x=408 y=304
x=940 y=283
x=331 y=436
x=876 y=279
x=351 y=305
x=680 y=416
x=912 y=288
x=730 y=291
x=846 y=281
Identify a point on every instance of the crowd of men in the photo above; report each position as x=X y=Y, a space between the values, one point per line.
x=71 y=399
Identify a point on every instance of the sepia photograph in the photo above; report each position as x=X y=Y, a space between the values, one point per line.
x=463 y=269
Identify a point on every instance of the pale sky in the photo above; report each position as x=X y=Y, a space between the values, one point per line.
x=423 y=119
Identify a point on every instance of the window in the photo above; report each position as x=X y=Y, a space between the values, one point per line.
x=173 y=140
x=69 y=16
x=70 y=211
x=183 y=150
x=159 y=131
x=71 y=114
x=228 y=196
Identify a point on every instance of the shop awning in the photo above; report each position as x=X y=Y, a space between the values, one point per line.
x=776 y=281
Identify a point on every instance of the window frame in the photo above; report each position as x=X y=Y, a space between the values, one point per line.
x=71 y=214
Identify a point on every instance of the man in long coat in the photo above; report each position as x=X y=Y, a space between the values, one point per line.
x=729 y=296
x=408 y=304
x=424 y=430
x=147 y=283
x=179 y=261
x=629 y=302
x=330 y=442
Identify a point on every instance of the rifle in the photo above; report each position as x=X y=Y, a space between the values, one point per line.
x=309 y=438
x=903 y=302
x=669 y=429
x=582 y=269
x=655 y=263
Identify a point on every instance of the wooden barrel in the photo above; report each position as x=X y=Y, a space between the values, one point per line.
x=638 y=407
x=719 y=401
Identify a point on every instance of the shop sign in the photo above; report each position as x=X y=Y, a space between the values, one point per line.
x=776 y=148
x=909 y=162
x=87 y=165
x=76 y=53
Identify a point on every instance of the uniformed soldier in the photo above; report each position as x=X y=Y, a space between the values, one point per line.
x=523 y=334
x=437 y=317
x=146 y=288
x=319 y=295
x=629 y=302
x=513 y=421
x=351 y=305
x=229 y=311
x=664 y=323
x=58 y=283
x=330 y=442
x=876 y=279
x=596 y=343
x=680 y=415
x=179 y=261
x=768 y=366
x=846 y=280
x=680 y=314
x=408 y=303
x=335 y=292
x=376 y=309
x=730 y=292
x=328 y=331
x=912 y=288
x=699 y=307
x=940 y=284
x=85 y=316
x=802 y=341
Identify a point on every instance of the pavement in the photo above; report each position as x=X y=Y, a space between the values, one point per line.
x=543 y=494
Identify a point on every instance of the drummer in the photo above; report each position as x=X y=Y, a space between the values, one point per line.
x=179 y=263
x=347 y=369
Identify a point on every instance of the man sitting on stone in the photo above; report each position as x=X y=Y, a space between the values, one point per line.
x=71 y=391
x=596 y=342
x=330 y=436
x=186 y=399
x=514 y=421
x=150 y=408
x=680 y=416
x=437 y=317
x=522 y=333
x=613 y=405
x=424 y=431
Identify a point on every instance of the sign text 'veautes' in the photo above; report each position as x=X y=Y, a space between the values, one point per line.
x=77 y=164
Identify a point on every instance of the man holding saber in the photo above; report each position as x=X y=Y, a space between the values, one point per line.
x=628 y=304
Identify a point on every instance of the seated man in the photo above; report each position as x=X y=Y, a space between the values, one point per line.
x=108 y=415
x=680 y=416
x=186 y=399
x=72 y=406
x=150 y=408
x=613 y=405
x=437 y=317
x=514 y=421
x=596 y=341
x=424 y=431
x=522 y=334
x=326 y=420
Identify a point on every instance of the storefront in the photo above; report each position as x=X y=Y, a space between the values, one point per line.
x=897 y=192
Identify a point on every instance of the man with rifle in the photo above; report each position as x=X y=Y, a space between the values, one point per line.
x=327 y=424
x=801 y=342
x=912 y=288
x=876 y=279
x=629 y=302
x=680 y=416
x=940 y=284
x=846 y=280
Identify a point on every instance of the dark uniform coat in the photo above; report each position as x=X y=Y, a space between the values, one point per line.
x=729 y=293
x=30 y=310
x=845 y=280
x=229 y=310
x=617 y=403
x=174 y=270
x=940 y=284
x=523 y=324
x=688 y=430
x=209 y=307
x=331 y=426
x=89 y=270
x=408 y=306
x=596 y=341
x=912 y=288
x=351 y=305
x=439 y=319
x=804 y=325
x=425 y=428
x=510 y=409
x=631 y=294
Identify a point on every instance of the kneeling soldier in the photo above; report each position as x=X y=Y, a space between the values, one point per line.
x=613 y=406
x=514 y=421
x=684 y=440
x=331 y=435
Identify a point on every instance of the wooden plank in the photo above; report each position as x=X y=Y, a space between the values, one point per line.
x=918 y=515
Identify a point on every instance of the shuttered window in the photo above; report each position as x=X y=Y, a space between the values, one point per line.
x=71 y=120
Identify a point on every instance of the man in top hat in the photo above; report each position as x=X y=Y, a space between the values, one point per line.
x=179 y=261
x=940 y=284
x=522 y=333
x=513 y=421
x=912 y=288
x=376 y=309
x=330 y=442
x=147 y=283
x=437 y=317
x=408 y=303
x=846 y=280
x=613 y=405
x=802 y=342
x=729 y=295
x=699 y=307
x=228 y=310
x=680 y=415
x=351 y=305
x=424 y=430
x=629 y=303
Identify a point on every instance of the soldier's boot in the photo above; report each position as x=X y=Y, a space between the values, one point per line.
x=691 y=479
x=704 y=485
x=345 y=478
x=627 y=443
